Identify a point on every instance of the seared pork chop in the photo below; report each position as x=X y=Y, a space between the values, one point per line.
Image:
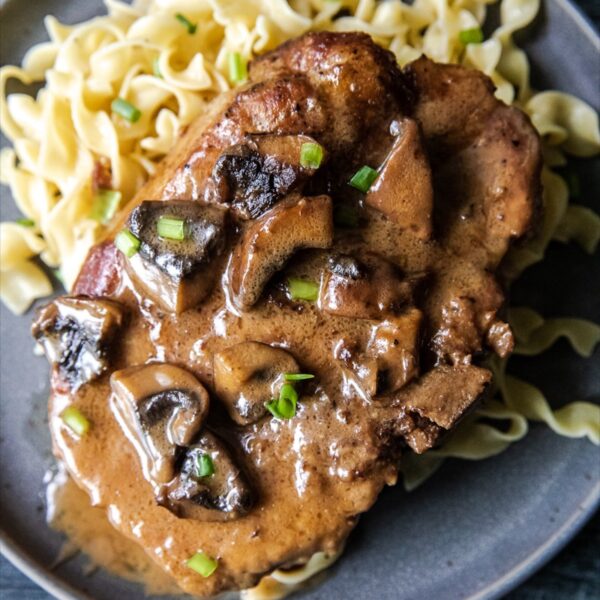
x=207 y=432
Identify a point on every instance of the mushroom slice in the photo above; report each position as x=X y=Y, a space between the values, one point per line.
x=177 y=272
x=249 y=374
x=254 y=175
x=268 y=242
x=161 y=408
x=210 y=487
x=403 y=191
x=394 y=345
x=76 y=333
x=363 y=289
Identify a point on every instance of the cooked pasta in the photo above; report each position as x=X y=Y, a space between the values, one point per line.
x=168 y=71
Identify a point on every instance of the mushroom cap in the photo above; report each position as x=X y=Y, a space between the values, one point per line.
x=249 y=374
x=255 y=174
x=76 y=333
x=220 y=496
x=295 y=223
x=161 y=408
x=204 y=234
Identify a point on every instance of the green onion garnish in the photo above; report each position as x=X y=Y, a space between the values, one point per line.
x=125 y=109
x=345 y=216
x=75 y=420
x=191 y=27
x=285 y=406
x=105 y=205
x=363 y=178
x=297 y=376
x=205 y=467
x=156 y=68
x=127 y=243
x=311 y=155
x=171 y=228
x=25 y=222
x=238 y=69
x=301 y=289
x=59 y=276
x=202 y=564
x=471 y=36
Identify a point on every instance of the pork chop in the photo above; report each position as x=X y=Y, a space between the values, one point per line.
x=285 y=340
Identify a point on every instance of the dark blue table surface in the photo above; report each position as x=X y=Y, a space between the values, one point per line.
x=574 y=574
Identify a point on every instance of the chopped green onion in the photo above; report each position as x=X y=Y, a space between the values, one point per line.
x=25 y=222
x=127 y=243
x=171 y=228
x=285 y=406
x=345 y=216
x=75 y=420
x=311 y=155
x=191 y=27
x=105 y=205
x=205 y=467
x=471 y=36
x=156 y=68
x=297 y=376
x=125 y=109
x=238 y=69
x=301 y=289
x=202 y=564
x=59 y=276
x=363 y=178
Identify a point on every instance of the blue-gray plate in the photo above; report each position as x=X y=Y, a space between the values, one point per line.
x=475 y=530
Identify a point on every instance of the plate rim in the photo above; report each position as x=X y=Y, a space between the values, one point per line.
x=59 y=588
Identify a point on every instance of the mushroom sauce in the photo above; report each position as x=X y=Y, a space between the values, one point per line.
x=259 y=342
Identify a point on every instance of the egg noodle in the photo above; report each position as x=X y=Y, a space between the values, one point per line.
x=169 y=58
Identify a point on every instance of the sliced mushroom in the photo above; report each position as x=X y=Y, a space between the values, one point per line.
x=198 y=494
x=161 y=408
x=177 y=273
x=394 y=345
x=403 y=191
x=268 y=242
x=254 y=175
x=363 y=289
x=76 y=333
x=249 y=374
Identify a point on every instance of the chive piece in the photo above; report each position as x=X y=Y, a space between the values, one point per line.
x=191 y=27
x=59 y=276
x=285 y=406
x=311 y=155
x=125 y=109
x=75 y=420
x=25 y=222
x=363 y=179
x=127 y=243
x=202 y=564
x=301 y=289
x=345 y=216
x=171 y=228
x=205 y=467
x=471 y=36
x=156 y=68
x=238 y=69
x=297 y=376
x=105 y=205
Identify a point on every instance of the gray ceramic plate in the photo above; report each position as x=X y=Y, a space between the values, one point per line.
x=476 y=529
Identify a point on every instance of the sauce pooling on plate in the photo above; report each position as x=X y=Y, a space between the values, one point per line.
x=303 y=293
